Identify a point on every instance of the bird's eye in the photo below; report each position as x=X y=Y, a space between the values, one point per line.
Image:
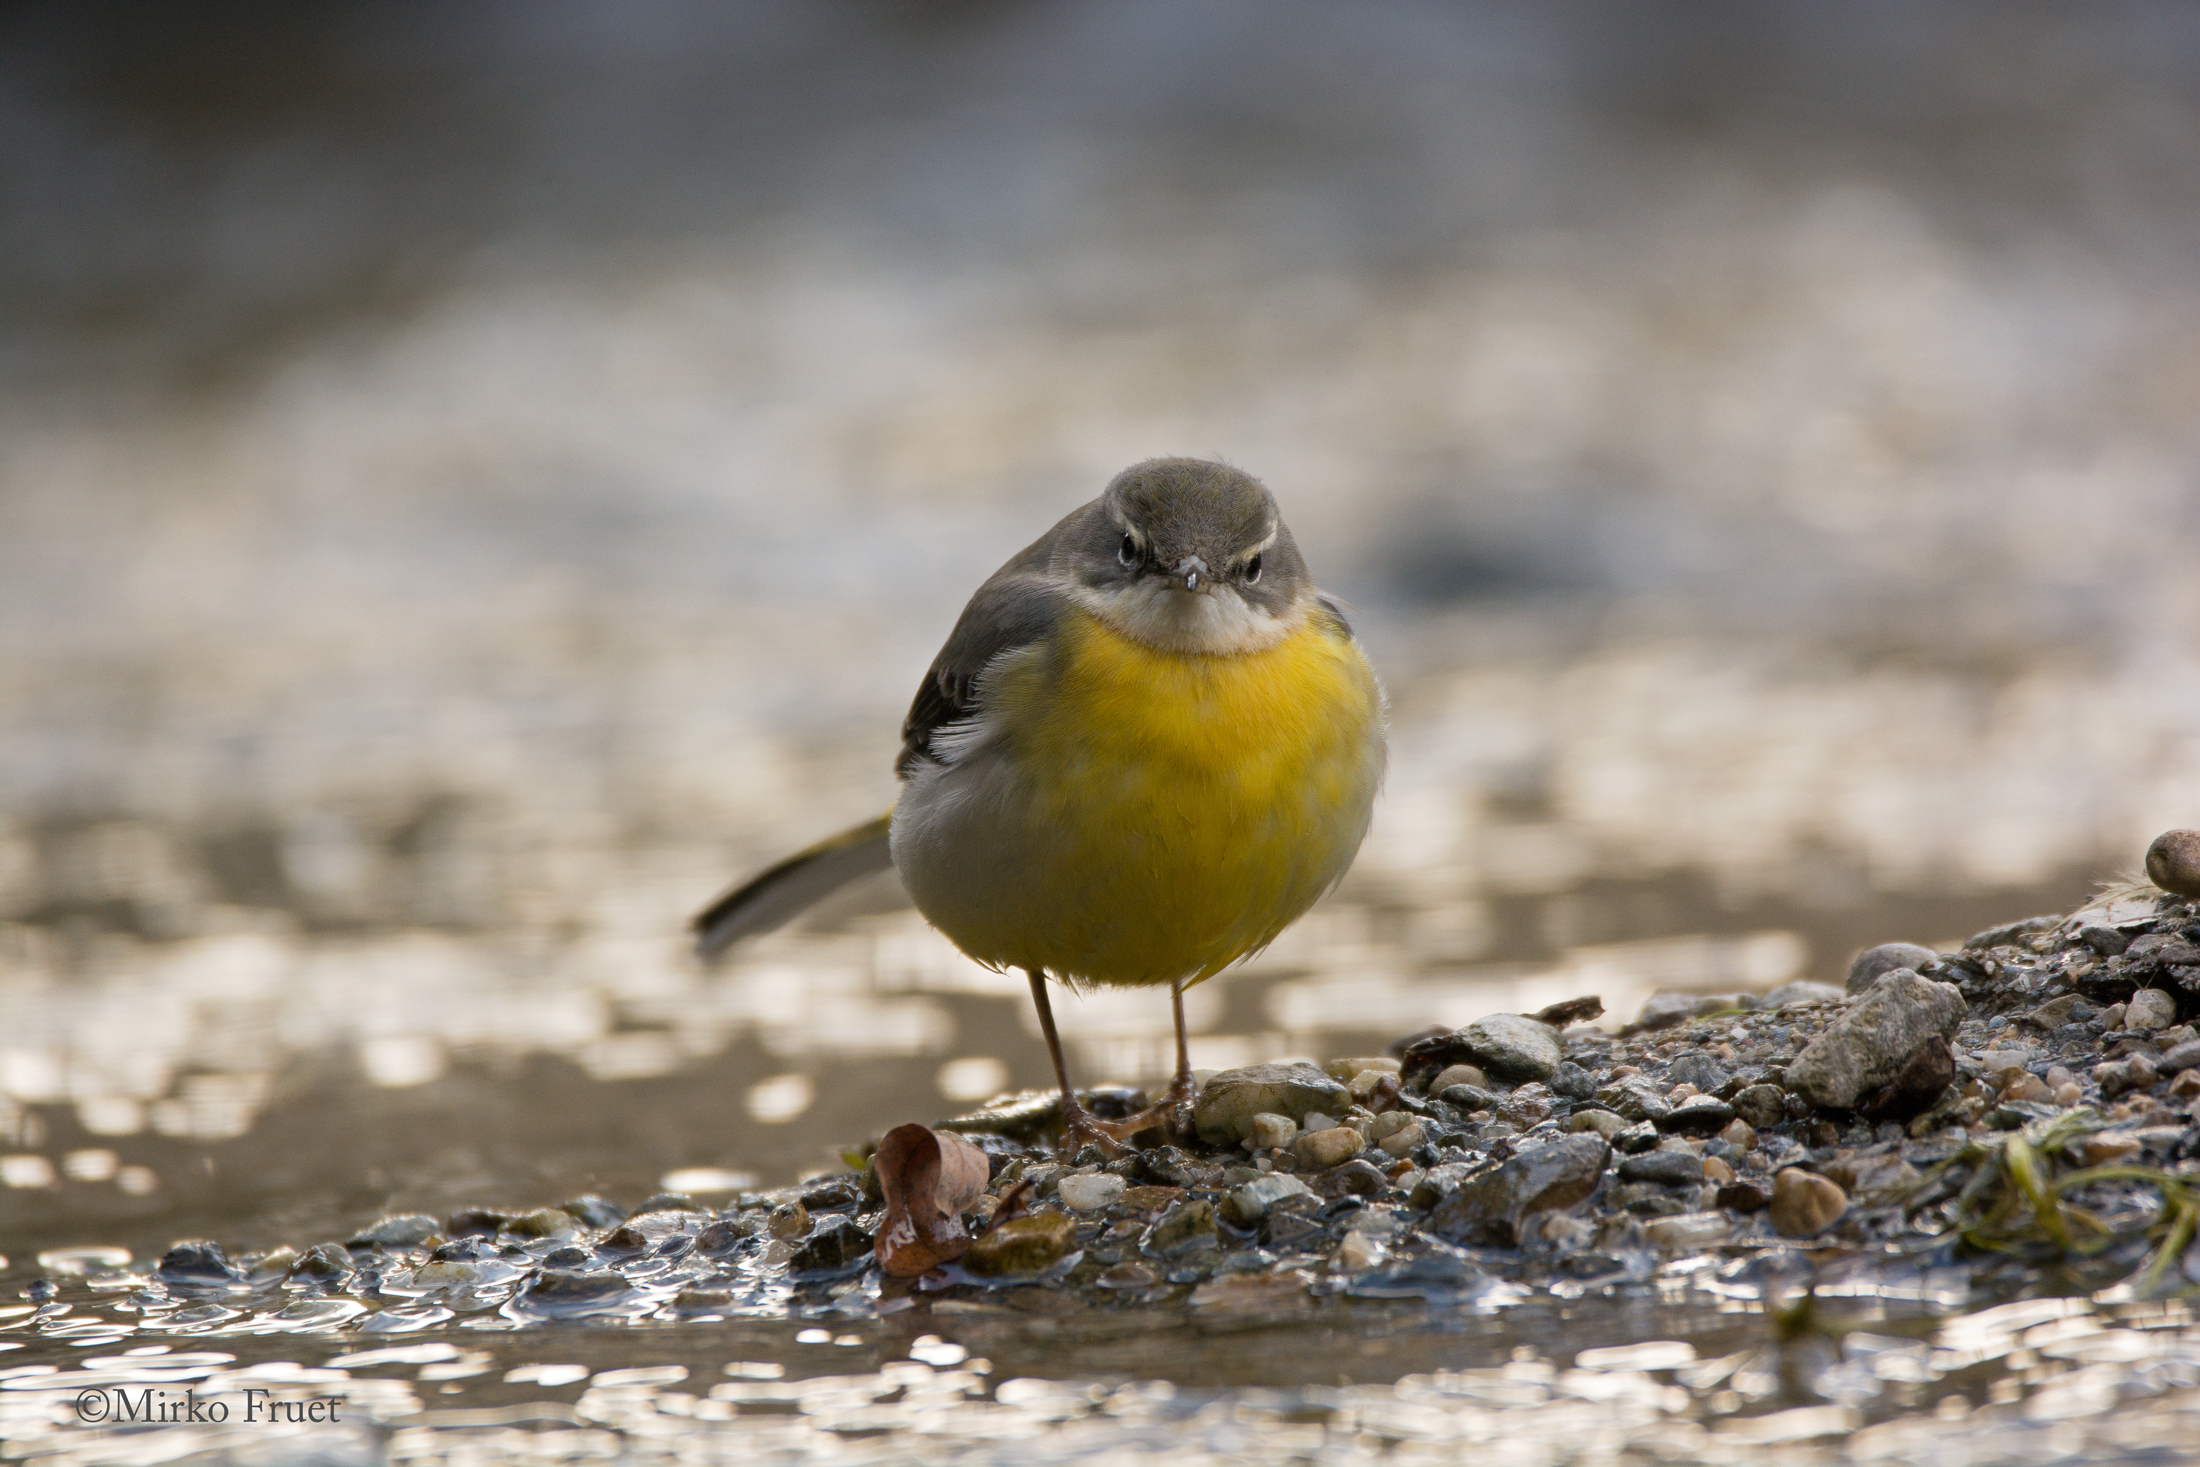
x=1127 y=552
x=1252 y=570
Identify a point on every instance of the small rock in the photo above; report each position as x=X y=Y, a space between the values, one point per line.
x=677 y=1202
x=1871 y=1041
x=1023 y=1245
x=1248 y=1204
x=1699 y=1115
x=1182 y=1228
x=2071 y=1008
x=1664 y=1010
x=407 y=1230
x=1917 y=1088
x=1354 y=1253
x=1700 y=1070
x=1763 y=1106
x=1402 y=1141
x=2150 y=1009
x=1345 y=1071
x=1324 y=1149
x=592 y=1211
x=2106 y=942
x=2173 y=862
x=1270 y=1131
x=1230 y=1099
x=1468 y=1098
x=2186 y=1086
x=1688 y=1230
x=2112 y=1017
x=1716 y=1171
x=838 y=1245
x=1805 y=1204
x=1605 y=1123
x=727 y=1236
x=1873 y=962
x=1512 y=1047
x=1743 y=1197
x=1740 y=1135
x=1128 y=1276
x=1490 y=1207
x=2118 y=1077
x=2106 y=1148
x=2010 y=932
x=1458 y=1075
x=1666 y=1168
x=2181 y=1056
x=1641 y=1136
x=788 y=1221
x=483 y=1220
x=1292 y=1227
x=1802 y=991
x=1528 y=1105
x=2028 y=1087
x=1573 y=1082
x=1356 y=1178
x=196 y=1263
x=1090 y=1191
x=1389 y=1123
x=1635 y=1097
x=544 y=1222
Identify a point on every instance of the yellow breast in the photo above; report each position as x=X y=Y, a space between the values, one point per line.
x=1180 y=810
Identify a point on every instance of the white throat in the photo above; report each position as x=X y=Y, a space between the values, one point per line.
x=1161 y=615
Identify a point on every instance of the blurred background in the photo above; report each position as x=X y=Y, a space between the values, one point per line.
x=477 y=478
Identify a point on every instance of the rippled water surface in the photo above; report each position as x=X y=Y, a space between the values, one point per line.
x=472 y=484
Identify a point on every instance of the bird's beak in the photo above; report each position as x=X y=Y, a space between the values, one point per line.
x=1191 y=568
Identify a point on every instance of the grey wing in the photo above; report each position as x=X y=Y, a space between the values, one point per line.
x=1017 y=607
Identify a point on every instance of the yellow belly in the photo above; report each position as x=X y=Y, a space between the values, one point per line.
x=1176 y=811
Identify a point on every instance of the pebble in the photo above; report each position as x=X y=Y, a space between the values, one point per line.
x=2186 y=1086
x=1874 y=962
x=1345 y=1071
x=1227 y=1103
x=1573 y=1081
x=1605 y=1123
x=1740 y=1135
x=1389 y=1123
x=1090 y=1191
x=1871 y=1041
x=1716 y=1171
x=1805 y=1204
x=406 y=1230
x=2150 y=1009
x=1355 y=1253
x=2106 y=1148
x=1458 y=1075
x=1698 y=1115
x=837 y=1245
x=1666 y=1168
x=2182 y=1056
x=2119 y=1077
x=1402 y=1141
x=1022 y=1245
x=2173 y=862
x=1490 y=1208
x=1762 y=1106
x=545 y=1222
x=1512 y=1047
x=1270 y=1131
x=1688 y=1229
x=1249 y=1203
x=2028 y=1087
x=1182 y=1228
x=1700 y=1070
x=1322 y=1150
x=1467 y=1097
x=788 y=1221
x=1802 y=990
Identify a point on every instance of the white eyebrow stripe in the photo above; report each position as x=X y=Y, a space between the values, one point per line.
x=1265 y=541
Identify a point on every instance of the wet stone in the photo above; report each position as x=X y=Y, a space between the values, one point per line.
x=1804 y=1204
x=1249 y=1203
x=1332 y=1147
x=1272 y=1132
x=1512 y=1047
x=476 y=1220
x=406 y=1230
x=721 y=1239
x=1869 y=1043
x=1291 y=1226
x=1022 y=1245
x=788 y=1222
x=1458 y=1074
x=1634 y=1098
x=544 y=1222
x=1699 y=1115
x=1605 y=1123
x=1641 y=1136
x=1355 y=1178
x=1227 y=1103
x=557 y=1291
x=2173 y=862
x=1666 y=1168
x=1090 y=1191
x=837 y=1246
x=1874 y=963
x=1763 y=1106
x=2150 y=1009
x=1743 y=1197
x=1467 y=1098
x=196 y=1263
x=1184 y=1227
x=1490 y=1207
x=672 y=1202
x=1700 y=1070
x=593 y=1211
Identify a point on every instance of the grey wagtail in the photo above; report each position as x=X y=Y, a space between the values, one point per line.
x=1148 y=746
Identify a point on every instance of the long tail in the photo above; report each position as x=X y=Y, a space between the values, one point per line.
x=782 y=892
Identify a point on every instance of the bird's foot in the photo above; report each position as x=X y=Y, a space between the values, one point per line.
x=1168 y=1113
x=1081 y=1128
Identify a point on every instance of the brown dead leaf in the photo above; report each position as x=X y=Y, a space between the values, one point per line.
x=929 y=1178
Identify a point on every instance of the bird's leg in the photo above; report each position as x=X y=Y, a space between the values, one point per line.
x=1181 y=1087
x=1078 y=1125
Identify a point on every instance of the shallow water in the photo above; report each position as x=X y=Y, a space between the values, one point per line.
x=469 y=491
